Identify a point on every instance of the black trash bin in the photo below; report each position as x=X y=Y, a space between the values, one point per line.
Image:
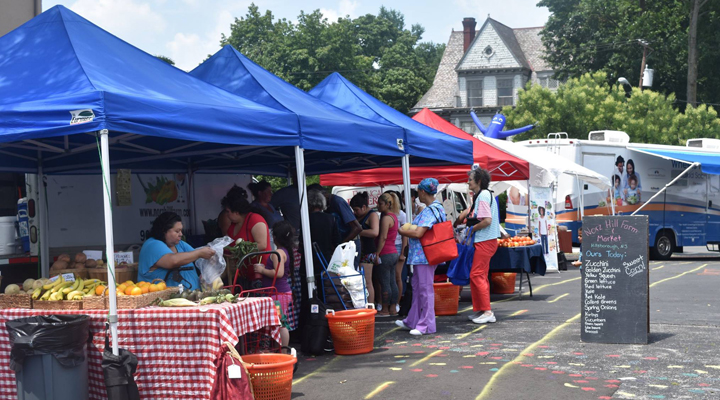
x=49 y=356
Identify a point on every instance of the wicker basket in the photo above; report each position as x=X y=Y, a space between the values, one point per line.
x=122 y=274
x=58 y=305
x=127 y=302
x=15 y=301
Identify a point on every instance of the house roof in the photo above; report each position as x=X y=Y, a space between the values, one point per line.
x=442 y=92
x=532 y=47
x=525 y=44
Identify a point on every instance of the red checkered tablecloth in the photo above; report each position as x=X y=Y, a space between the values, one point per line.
x=176 y=347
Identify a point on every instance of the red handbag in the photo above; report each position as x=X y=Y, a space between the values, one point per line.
x=225 y=387
x=438 y=242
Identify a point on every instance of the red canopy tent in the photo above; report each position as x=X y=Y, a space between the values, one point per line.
x=502 y=166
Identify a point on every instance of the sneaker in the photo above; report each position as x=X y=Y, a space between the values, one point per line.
x=477 y=314
x=397 y=307
x=415 y=332
x=402 y=325
x=483 y=319
x=378 y=307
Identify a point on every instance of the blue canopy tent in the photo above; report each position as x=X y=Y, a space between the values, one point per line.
x=422 y=139
x=709 y=163
x=324 y=126
x=67 y=85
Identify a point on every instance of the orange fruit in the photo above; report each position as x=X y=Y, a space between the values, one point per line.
x=153 y=288
x=162 y=285
x=135 y=291
x=129 y=283
x=144 y=288
x=143 y=283
x=99 y=289
x=122 y=287
x=129 y=289
x=120 y=293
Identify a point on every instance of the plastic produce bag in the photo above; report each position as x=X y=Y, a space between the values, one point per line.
x=213 y=268
x=353 y=282
x=63 y=336
x=343 y=256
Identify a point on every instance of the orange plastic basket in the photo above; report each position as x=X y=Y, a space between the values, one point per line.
x=503 y=282
x=447 y=297
x=271 y=375
x=352 y=331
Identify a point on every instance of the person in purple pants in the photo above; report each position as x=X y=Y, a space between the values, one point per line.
x=421 y=318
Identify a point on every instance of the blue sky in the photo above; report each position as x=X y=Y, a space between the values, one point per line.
x=188 y=30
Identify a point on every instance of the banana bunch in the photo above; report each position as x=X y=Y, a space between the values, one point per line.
x=66 y=290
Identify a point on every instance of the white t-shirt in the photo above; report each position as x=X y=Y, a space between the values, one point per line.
x=542 y=225
x=402 y=219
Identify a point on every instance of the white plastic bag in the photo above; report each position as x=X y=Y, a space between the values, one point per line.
x=213 y=268
x=353 y=282
x=343 y=256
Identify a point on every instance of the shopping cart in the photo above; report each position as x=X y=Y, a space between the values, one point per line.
x=332 y=283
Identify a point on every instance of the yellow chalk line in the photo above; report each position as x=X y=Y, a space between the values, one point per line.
x=379 y=389
x=662 y=266
x=299 y=380
x=427 y=357
x=387 y=333
x=528 y=292
x=558 y=298
x=518 y=312
x=486 y=389
x=478 y=329
x=677 y=276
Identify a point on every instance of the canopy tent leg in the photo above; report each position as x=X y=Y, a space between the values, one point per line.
x=109 y=245
x=693 y=165
x=305 y=218
x=43 y=217
x=191 y=200
x=406 y=186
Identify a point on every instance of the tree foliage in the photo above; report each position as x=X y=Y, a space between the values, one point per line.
x=376 y=52
x=589 y=103
x=589 y=35
x=166 y=59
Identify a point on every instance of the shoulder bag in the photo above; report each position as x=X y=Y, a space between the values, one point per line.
x=438 y=242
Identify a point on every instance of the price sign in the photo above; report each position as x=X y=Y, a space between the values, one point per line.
x=123 y=257
x=69 y=277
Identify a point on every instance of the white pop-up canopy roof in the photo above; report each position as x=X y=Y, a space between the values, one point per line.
x=545 y=167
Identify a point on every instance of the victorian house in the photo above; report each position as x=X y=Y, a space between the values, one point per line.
x=483 y=70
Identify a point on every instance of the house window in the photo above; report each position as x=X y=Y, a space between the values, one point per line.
x=505 y=92
x=474 y=93
x=548 y=82
x=469 y=127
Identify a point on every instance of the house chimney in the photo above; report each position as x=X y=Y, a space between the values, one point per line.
x=468 y=32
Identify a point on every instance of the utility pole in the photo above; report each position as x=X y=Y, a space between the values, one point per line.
x=644 y=58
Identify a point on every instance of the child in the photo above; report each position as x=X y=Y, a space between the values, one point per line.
x=543 y=229
x=632 y=193
x=284 y=238
x=618 y=191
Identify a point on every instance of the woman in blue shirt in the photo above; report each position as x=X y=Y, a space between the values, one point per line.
x=166 y=256
x=421 y=317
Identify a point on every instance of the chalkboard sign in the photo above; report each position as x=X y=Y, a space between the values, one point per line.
x=615 y=280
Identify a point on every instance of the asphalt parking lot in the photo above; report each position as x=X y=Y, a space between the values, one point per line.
x=534 y=350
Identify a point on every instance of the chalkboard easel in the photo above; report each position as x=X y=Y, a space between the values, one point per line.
x=615 y=280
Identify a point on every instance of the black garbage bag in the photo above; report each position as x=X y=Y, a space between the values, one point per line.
x=118 y=371
x=316 y=331
x=63 y=336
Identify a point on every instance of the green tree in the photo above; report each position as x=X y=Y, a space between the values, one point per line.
x=166 y=59
x=589 y=103
x=278 y=183
x=376 y=52
x=588 y=35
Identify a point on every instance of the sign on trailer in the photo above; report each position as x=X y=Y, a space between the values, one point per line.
x=615 y=280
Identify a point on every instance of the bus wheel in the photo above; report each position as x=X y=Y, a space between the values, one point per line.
x=664 y=246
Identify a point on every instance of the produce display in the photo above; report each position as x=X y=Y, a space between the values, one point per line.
x=198 y=297
x=62 y=289
x=516 y=241
x=130 y=288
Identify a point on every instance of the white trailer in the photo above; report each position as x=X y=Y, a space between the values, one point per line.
x=677 y=187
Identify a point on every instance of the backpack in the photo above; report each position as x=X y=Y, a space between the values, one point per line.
x=316 y=330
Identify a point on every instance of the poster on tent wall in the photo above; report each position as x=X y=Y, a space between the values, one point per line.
x=543 y=225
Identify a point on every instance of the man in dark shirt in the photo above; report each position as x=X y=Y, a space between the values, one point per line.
x=348 y=225
x=287 y=201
